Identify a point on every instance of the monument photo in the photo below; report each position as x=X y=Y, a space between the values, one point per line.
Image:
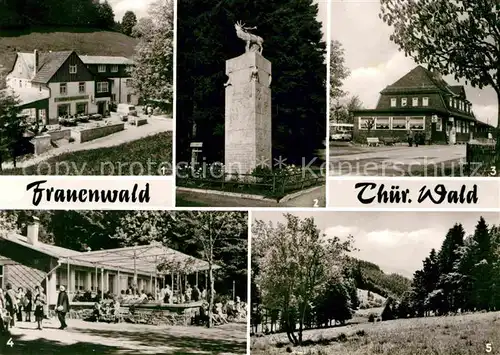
x=251 y=105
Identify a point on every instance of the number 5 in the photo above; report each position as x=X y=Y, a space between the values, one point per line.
x=316 y=202
x=488 y=348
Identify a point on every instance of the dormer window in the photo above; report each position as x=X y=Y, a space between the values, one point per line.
x=114 y=68
x=73 y=69
x=101 y=68
x=404 y=101
x=451 y=102
x=425 y=101
x=393 y=102
x=414 y=101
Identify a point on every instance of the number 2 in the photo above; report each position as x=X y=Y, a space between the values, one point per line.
x=488 y=348
x=316 y=202
x=10 y=342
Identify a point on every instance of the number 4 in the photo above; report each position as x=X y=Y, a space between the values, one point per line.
x=316 y=203
x=10 y=342
x=488 y=348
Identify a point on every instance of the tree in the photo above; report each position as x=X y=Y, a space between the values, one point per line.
x=12 y=124
x=459 y=38
x=152 y=77
x=128 y=22
x=293 y=44
x=105 y=15
x=215 y=232
x=296 y=261
x=338 y=72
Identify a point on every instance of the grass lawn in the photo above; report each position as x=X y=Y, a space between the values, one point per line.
x=150 y=156
x=82 y=40
x=453 y=335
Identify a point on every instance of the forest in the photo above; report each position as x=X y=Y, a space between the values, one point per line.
x=185 y=231
x=23 y=14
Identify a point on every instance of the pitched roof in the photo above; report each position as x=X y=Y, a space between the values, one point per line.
x=458 y=90
x=92 y=59
x=49 y=65
x=420 y=78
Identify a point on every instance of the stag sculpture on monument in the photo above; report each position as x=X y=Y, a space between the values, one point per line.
x=253 y=42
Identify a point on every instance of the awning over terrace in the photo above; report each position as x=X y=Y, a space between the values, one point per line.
x=143 y=259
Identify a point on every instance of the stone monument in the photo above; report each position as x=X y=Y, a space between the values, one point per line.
x=248 y=107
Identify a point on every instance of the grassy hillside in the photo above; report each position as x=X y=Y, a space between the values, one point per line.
x=371 y=278
x=84 y=41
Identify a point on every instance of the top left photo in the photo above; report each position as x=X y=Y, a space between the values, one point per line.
x=86 y=87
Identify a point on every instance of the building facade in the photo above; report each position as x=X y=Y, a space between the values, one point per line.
x=59 y=84
x=118 y=71
x=423 y=102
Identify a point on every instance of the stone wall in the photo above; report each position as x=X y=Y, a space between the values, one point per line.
x=42 y=144
x=60 y=134
x=88 y=134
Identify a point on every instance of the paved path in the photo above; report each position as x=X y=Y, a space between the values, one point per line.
x=213 y=200
x=100 y=338
x=131 y=133
x=399 y=160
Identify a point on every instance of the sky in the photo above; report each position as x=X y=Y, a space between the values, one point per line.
x=375 y=61
x=398 y=242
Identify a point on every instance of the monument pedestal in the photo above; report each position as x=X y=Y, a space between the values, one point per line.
x=248 y=114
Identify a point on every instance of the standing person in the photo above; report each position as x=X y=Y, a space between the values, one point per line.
x=28 y=304
x=11 y=304
x=150 y=110
x=410 y=136
x=40 y=301
x=20 y=304
x=62 y=307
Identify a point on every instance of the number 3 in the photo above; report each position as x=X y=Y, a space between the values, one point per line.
x=493 y=171
x=316 y=202
x=488 y=348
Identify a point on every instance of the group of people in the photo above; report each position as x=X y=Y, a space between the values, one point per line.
x=190 y=294
x=14 y=305
x=414 y=138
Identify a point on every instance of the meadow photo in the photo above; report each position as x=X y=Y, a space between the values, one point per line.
x=375 y=283
x=86 y=87
x=123 y=282
x=414 y=88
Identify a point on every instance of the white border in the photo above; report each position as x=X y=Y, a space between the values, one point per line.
x=249 y=280
x=328 y=80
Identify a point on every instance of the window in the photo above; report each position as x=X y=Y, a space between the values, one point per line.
x=113 y=97
x=382 y=123
x=393 y=102
x=439 y=124
x=101 y=68
x=73 y=69
x=425 y=101
x=63 y=88
x=102 y=87
x=114 y=68
x=81 y=108
x=404 y=101
x=454 y=103
x=20 y=83
x=366 y=123
x=80 y=280
x=417 y=123
x=399 y=123
x=128 y=83
x=129 y=98
x=61 y=279
x=414 y=101
x=451 y=102
x=81 y=88
x=63 y=110
x=459 y=126
x=42 y=115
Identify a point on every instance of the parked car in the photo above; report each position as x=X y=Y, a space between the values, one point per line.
x=125 y=110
